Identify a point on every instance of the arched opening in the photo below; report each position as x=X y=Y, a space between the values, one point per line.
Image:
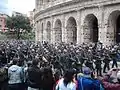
x=90 y=28
x=48 y=31
x=71 y=30
x=58 y=31
x=113 y=32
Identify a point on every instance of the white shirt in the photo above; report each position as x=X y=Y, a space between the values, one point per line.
x=61 y=86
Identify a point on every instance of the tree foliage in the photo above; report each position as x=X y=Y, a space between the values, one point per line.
x=18 y=24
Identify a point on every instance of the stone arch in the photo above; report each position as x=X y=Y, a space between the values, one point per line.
x=90 y=28
x=71 y=30
x=48 y=32
x=57 y=31
x=113 y=28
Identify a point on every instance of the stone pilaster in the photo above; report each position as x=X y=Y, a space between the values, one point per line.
x=39 y=31
x=63 y=28
x=36 y=31
x=101 y=29
x=41 y=28
x=44 y=31
x=52 y=31
x=82 y=36
x=78 y=27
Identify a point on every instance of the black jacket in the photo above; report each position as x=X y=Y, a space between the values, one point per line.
x=34 y=77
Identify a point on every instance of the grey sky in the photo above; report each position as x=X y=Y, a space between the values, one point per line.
x=22 y=6
x=3 y=6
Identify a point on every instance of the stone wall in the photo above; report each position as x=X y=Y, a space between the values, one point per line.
x=67 y=16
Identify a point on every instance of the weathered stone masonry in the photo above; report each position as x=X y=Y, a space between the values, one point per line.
x=78 y=21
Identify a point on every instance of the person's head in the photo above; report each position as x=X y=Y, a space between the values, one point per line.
x=47 y=72
x=15 y=61
x=29 y=63
x=68 y=76
x=87 y=72
x=35 y=62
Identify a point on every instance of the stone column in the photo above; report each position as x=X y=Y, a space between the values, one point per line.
x=52 y=33
x=106 y=38
x=39 y=31
x=78 y=27
x=44 y=31
x=110 y=36
x=82 y=36
x=41 y=28
x=65 y=32
x=36 y=31
x=86 y=29
x=101 y=31
x=63 y=28
x=104 y=35
x=48 y=30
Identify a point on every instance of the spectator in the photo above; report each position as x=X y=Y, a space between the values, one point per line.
x=47 y=79
x=86 y=82
x=108 y=85
x=26 y=74
x=3 y=77
x=15 y=76
x=34 y=76
x=67 y=83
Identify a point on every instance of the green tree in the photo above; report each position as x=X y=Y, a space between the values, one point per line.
x=18 y=24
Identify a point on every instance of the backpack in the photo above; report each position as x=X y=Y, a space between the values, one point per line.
x=3 y=74
x=98 y=84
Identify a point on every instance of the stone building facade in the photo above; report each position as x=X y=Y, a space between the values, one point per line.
x=3 y=18
x=78 y=21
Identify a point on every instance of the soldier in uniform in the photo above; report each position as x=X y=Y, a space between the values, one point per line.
x=89 y=64
x=114 y=58
x=106 y=61
x=98 y=66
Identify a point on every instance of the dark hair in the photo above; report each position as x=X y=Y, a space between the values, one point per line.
x=35 y=62
x=68 y=76
x=29 y=63
x=47 y=71
x=15 y=61
x=20 y=63
x=47 y=77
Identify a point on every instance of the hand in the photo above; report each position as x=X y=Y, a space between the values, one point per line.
x=95 y=74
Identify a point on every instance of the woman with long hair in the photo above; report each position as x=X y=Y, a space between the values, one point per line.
x=67 y=82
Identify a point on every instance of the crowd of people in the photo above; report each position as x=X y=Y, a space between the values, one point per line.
x=27 y=65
